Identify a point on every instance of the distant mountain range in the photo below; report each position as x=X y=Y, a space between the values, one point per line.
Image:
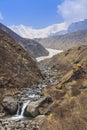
x=77 y=26
x=29 y=32
x=81 y=25
x=53 y=30
x=55 y=37
x=35 y=49
x=75 y=35
x=65 y=41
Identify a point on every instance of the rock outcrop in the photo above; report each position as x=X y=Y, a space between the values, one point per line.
x=10 y=105
x=34 y=108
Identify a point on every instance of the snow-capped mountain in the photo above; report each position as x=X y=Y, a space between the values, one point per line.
x=29 y=32
x=80 y=25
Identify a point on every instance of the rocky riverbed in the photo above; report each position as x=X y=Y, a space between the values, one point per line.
x=28 y=108
x=22 y=124
x=61 y=105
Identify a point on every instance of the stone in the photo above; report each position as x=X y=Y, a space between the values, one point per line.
x=10 y=105
x=40 y=119
x=1 y=128
x=32 y=110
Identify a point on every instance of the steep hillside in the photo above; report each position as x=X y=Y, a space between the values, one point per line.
x=17 y=69
x=32 y=46
x=65 y=41
x=69 y=95
x=66 y=59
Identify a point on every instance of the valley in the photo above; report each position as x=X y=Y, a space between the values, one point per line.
x=43 y=88
x=55 y=99
x=24 y=97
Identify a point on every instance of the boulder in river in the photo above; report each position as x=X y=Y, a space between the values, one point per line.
x=33 y=108
x=10 y=105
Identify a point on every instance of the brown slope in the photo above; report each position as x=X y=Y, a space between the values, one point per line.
x=65 y=41
x=69 y=109
x=66 y=59
x=17 y=69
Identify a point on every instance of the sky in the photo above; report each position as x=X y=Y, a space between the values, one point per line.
x=41 y=13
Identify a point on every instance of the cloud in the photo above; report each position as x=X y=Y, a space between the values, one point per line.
x=1 y=17
x=73 y=10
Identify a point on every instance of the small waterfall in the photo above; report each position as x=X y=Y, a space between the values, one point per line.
x=24 y=106
x=20 y=116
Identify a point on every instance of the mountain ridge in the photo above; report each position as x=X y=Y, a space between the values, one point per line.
x=26 y=31
x=55 y=29
x=81 y=25
x=65 y=41
x=34 y=48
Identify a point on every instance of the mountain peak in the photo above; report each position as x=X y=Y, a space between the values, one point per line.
x=29 y=32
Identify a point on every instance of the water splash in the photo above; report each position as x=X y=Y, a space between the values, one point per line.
x=21 y=115
x=24 y=106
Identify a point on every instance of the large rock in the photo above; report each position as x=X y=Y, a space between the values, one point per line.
x=33 y=108
x=1 y=128
x=10 y=105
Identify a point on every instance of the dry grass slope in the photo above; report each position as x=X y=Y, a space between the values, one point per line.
x=69 y=109
x=17 y=69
